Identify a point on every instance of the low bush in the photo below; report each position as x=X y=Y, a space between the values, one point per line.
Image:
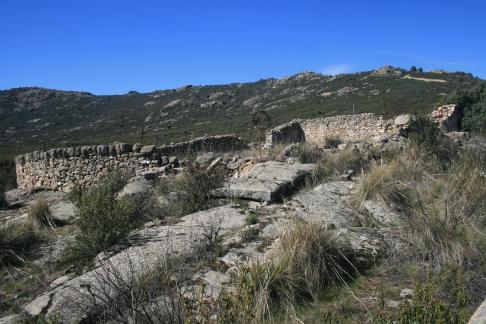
x=40 y=319
x=251 y=219
x=145 y=206
x=195 y=186
x=15 y=242
x=440 y=299
x=40 y=216
x=472 y=105
x=250 y=234
x=103 y=219
x=425 y=134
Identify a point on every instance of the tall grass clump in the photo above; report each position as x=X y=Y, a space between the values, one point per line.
x=39 y=215
x=393 y=182
x=15 y=241
x=103 y=220
x=335 y=164
x=444 y=200
x=450 y=215
x=309 y=153
x=307 y=261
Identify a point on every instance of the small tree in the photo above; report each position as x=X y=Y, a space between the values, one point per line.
x=413 y=68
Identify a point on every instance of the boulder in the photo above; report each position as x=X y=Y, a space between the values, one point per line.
x=174 y=161
x=327 y=203
x=10 y=319
x=270 y=181
x=205 y=158
x=458 y=137
x=381 y=212
x=214 y=164
x=369 y=245
x=406 y=293
x=403 y=120
x=146 y=249
x=147 y=150
x=479 y=316
x=135 y=185
x=137 y=148
x=379 y=139
x=15 y=198
x=63 y=212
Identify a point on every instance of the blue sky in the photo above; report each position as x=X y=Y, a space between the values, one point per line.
x=113 y=46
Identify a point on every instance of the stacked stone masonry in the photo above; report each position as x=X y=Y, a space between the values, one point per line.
x=66 y=168
x=348 y=128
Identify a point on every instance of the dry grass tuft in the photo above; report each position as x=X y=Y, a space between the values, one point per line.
x=15 y=240
x=307 y=260
x=40 y=216
x=445 y=201
x=335 y=164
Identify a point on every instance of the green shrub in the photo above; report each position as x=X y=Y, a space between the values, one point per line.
x=425 y=134
x=103 y=220
x=250 y=234
x=15 y=241
x=196 y=186
x=39 y=214
x=441 y=300
x=472 y=104
x=251 y=219
x=40 y=319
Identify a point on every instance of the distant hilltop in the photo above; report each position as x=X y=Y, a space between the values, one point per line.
x=36 y=118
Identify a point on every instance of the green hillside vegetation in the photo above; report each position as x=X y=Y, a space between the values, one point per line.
x=473 y=104
x=36 y=118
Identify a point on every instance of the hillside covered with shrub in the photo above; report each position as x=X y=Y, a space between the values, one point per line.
x=36 y=118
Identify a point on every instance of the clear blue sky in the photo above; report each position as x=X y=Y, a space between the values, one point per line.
x=113 y=46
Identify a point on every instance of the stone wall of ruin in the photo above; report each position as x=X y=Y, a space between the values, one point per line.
x=348 y=128
x=65 y=168
x=290 y=132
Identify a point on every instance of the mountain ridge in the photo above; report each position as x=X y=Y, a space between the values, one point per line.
x=35 y=117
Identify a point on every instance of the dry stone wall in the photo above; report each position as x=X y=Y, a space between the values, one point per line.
x=348 y=128
x=65 y=168
x=447 y=117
